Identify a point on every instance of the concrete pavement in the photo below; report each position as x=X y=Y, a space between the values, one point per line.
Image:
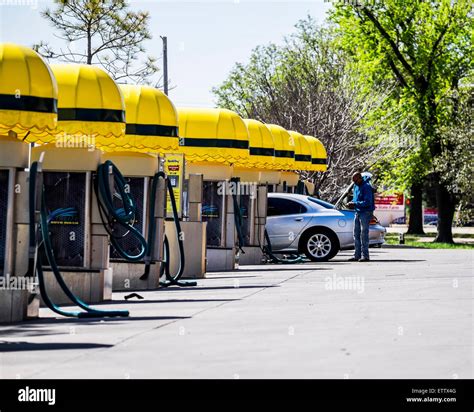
x=406 y=314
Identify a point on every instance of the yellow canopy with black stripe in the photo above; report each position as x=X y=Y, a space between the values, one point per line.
x=318 y=154
x=28 y=93
x=261 y=145
x=213 y=135
x=284 y=148
x=152 y=121
x=90 y=105
x=303 y=160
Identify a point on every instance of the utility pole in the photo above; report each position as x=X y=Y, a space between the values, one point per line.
x=165 y=63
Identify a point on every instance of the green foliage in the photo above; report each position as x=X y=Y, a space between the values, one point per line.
x=425 y=49
x=306 y=85
x=456 y=161
x=393 y=77
x=417 y=242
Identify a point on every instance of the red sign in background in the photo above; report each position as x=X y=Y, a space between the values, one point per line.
x=394 y=200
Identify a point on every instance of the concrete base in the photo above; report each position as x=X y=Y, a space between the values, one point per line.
x=220 y=260
x=253 y=256
x=13 y=305
x=194 y=238
x=90 y=287
x=127 y=276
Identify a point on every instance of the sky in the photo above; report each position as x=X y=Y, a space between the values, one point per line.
x=205 y=37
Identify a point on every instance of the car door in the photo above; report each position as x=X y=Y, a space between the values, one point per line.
x=286 y=218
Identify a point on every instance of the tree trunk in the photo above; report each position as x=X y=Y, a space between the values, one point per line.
x=415 y=224
x=446 y=206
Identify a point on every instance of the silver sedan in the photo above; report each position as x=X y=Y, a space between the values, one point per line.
x=303 y=224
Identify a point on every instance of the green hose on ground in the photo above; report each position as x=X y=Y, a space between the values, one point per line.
x=40 y=240
x=267 y=249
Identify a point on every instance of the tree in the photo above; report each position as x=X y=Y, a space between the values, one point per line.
x=304 y=85
x=103 y=32
x=456 y=165
x=426 y=47
x=403 y=165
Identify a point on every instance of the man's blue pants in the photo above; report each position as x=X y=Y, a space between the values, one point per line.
x=361 y=234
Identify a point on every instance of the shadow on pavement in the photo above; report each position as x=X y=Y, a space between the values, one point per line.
x=394 y=260
x=225 y=287
x=145 y=300
x=291 y=267
x=27 y=346
x=20 y=327
x=211 y=277
x=345 y=261
x=30 y=330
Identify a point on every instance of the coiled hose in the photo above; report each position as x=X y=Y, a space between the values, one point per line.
x=113 y=216
x=125 y=217
x=40 y=243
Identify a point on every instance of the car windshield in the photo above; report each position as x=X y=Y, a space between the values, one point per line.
x=321 y=203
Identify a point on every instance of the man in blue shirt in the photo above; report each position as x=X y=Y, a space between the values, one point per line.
x=363 y=203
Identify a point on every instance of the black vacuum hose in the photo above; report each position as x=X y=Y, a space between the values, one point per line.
x=44 y=246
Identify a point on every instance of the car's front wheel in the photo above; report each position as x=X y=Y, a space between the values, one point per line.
x=320 y=245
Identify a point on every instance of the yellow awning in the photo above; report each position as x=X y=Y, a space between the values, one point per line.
x=90 y=105
x=261 y=145
x=152 y=121
x=28 y=92
x=318 y=154
x=284 y=148
x=213 y=135
x=303 y=160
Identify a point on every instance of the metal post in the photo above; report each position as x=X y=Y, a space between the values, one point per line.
x=401 y=238
x=165 y=64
